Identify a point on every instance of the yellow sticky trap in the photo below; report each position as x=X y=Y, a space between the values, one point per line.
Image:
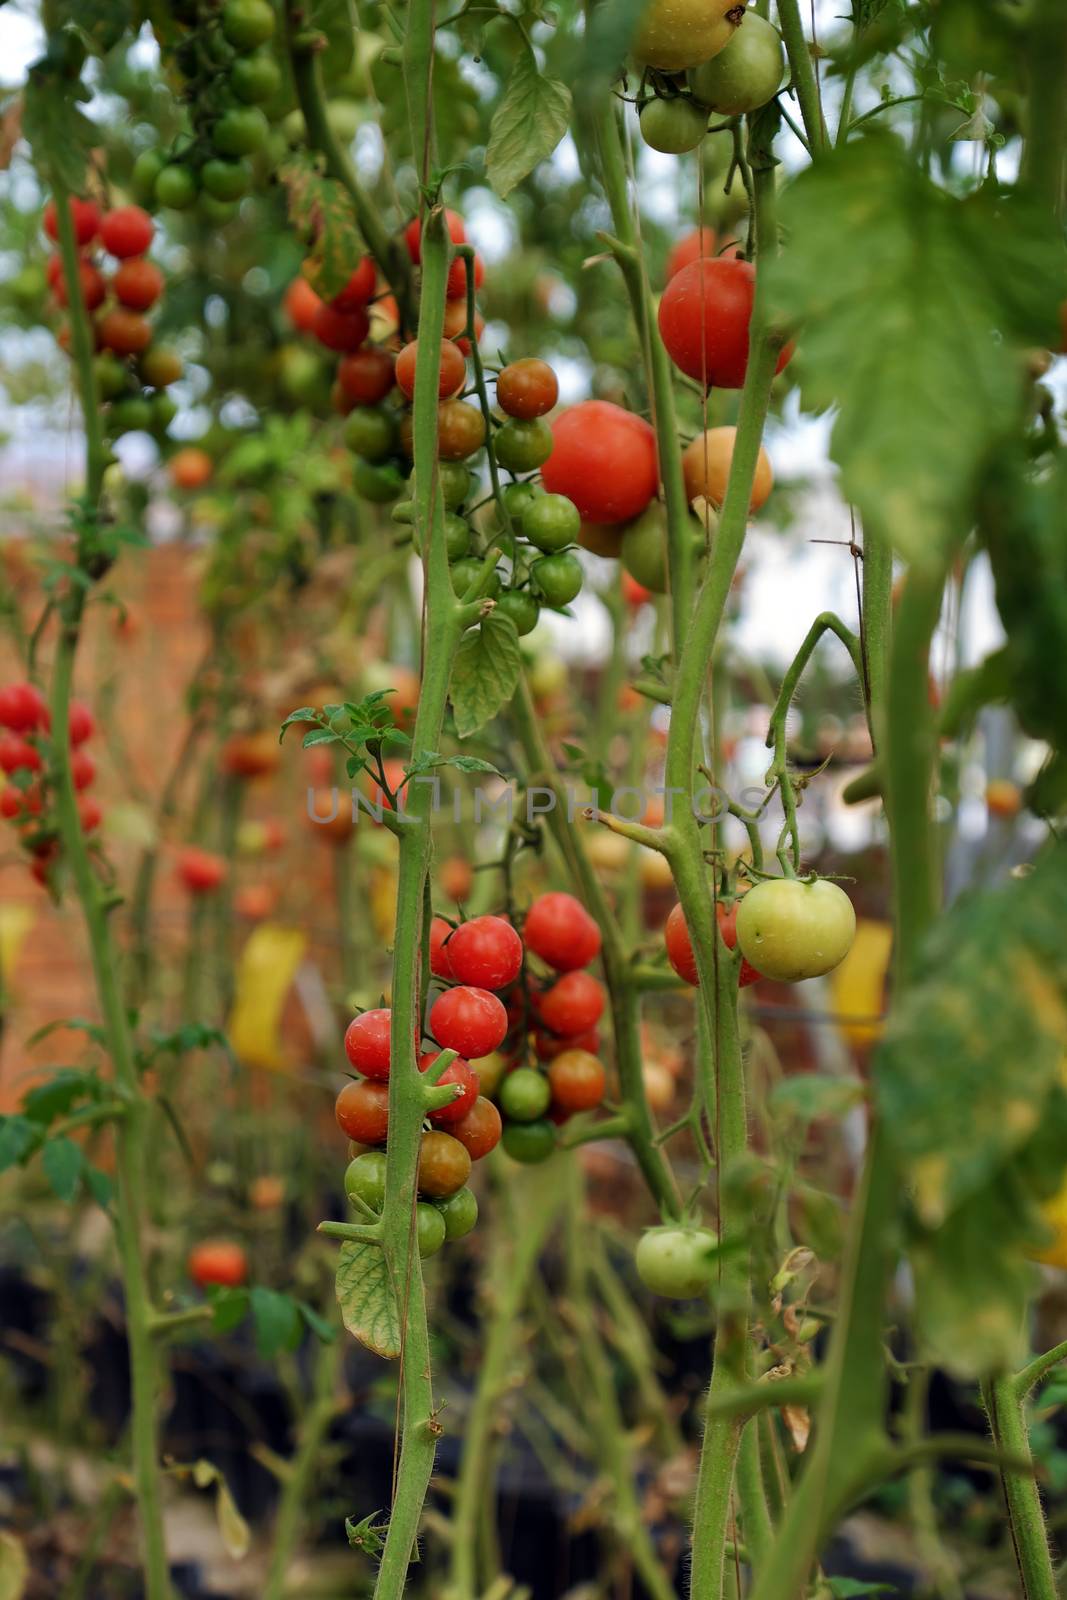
x=265 y=970
x=15 y=923
x=858 y=984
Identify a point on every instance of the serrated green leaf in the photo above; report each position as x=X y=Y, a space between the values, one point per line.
x=807 y=1096
x=56 y=1097
x=323 y=1331
x=365 y=1295
x=63 y=1163
x=527 y=125
x=18 y=1136
x=277 y=1321
x=103 y=22
x=321 y=210
x=99 y=1186
x=485 y=673
x=61 y=138
x=320 y=736
x=911 y=308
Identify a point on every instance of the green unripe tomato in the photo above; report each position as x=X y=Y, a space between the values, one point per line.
x=370 y=432
x=111 y=376
x=644 y=550
x=746 y=74
x=465 y=572
x=431 y=1227
x=133 y=414
x=524 y=1095
x=365 y=1179
x=559 y=578
x=551 y=522
x=164 y=411
x=226 y=180
x=521 y=445
x=161 y=366
x=791 y=930
x=675 y=1261
x=378 y=482
x=146 y=170
x=404 y=513
x=521 y=606
x=241 y=131
x=529 y=1142
x=217 y=212
x=455 y=481
x=247 y=23
x=256 y=78
x=460 y=1213
x=517 y=496
x=673 y=126
x=176 y=187
x=457 y=538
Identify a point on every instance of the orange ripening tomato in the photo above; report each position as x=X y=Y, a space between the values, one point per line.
x=706 y=468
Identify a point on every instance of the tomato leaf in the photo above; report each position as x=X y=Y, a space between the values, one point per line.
x=18 y=1137
x=912 y=309
x=527 y=125
x=971 y=1092
x=277 y=1321
x=485 y=673
x=63 y=1162
x=60 y=136
x=321 y=209
x=365 y=1295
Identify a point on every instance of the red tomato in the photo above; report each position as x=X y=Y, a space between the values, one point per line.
x=635 y=594
x=93 y=286
x=479 y=1131
x=80 y=723
x=85 y=215
x=362 y=1110
x=704 y=318
x=301 y=305
x=219 y=1261
x=452 y=375
x=82 y=768
x=366 y=376
x=548 y=1046
x=127 y=231
x=604 y=460
x=470 y=1021
x=359 y=288
x=727 y=918
x=125 y=332
x=574 y=1004
x=486 y=952
x=199 y=870
x=701 y=242
x=343 y=331
x=22 y=708
x=458 y=1071
x=367 y=1043
x=90 y=813
x=527 y=388
x=18 y=754
x=680 y=948
x=560 y=930
x=251 y=755
x=457 y=276
x=413 y=234
x=190 y=468
x=577 y=1080
x=440 y=965
x=255 y=901
x=138 y=284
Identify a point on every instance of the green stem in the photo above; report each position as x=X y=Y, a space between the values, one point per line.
x=1025 y=1514
x=877 y=619
x=298 y=1483
x=627 y=252
x=1035 y=1370
x=623 y=996
x=1044 y=163
x=803 y=70
x=130 y=1130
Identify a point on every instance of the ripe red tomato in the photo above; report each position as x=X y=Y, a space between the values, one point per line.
x=413 y=234
x=301 y=304
x=82 y=768
x=343 y=331
x=22 y=708
x=604 y=459
x=80 y=722
x=362 y=1110
x=577 y=1080
x=85 y=215
x=458 y=1071
x=190 y=468
x=444 y=1165
x=138 y=284
x=456 y=323
x=479 y=1131
x=470 y=1021
x=90 y=813
x=727 y=919
x=527 y=388
x=574 y=1004
x=367 y=1043
x=255 y=901
x=359 y=288
x=560 y=930
x=18 y=754
x=93 y=285
x=440 y=965
x=486 y=952
x=457 y=276
x=704 y=317
x=680 y=948
x=548 y=1046
x=199 y=870
x=221 y=1261
x=125 y=332
x=453 y=373
x=366 y=376
x=126 y=231
x=17 y=802
x=692 y=246
x=251 y=755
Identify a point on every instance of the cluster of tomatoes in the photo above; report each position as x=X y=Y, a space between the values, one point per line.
x=26 y=759
x=132 y=373
x=787 y=929
x=230 y=73
x=744 y=72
